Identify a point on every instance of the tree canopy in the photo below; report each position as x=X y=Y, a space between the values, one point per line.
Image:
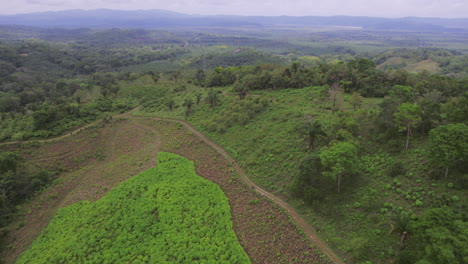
x=340 y=160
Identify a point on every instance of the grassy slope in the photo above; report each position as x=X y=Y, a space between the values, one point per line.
x=356 y=221
x=180 y=216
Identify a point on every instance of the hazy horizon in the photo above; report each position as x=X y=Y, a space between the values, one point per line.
x=370 y=8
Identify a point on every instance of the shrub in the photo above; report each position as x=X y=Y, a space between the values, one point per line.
x=396 y=169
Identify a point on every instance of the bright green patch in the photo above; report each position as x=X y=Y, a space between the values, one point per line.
x=166 y=214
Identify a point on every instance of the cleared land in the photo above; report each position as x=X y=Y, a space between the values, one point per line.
x=166 y=214
x=98 y=159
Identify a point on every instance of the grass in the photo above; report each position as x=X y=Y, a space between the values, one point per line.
x=428 y=65
x=357 y=221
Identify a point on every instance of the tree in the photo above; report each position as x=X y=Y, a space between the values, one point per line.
x=356 y=100
x=339 y=160
x=175 y=76
x=188 y=103
x=241 y=89
x=170 y=104
x=430 y=109
x=407 y=116
x=154 y=76
x=307 y=183
x=314 y=131
x=449 y=145
x=404 y=93
x=442 y=236
x=401 y=224
x=200 y=77
x=44 y=117
x=9 y=161
x=212 y=98
x=73 y=109
x=198 y=97
x=334 y=95
x=457 y=109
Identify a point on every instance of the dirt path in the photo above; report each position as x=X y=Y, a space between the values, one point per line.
x=299 y=220
x=71 y=132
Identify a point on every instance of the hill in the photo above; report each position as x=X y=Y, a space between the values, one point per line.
x=105 y=18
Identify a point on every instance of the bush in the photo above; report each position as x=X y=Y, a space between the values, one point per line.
x=396 y=169
x=238 y=112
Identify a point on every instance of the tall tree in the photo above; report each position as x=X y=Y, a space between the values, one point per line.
x=200 y=77
x=198 y=97
x=170 y=104
x=356 y=100
x=340 y=160
x=407 y=116
x=241 y=89
x=189 y=104
x=457 y=109
x=212 y=98
x=441 y=236
x=449 y=145
x=405 y=93
x=430 y=109
x=154 y=76
x=175 y=76
x=9 y=161
x=314 y=131
x=334 y=95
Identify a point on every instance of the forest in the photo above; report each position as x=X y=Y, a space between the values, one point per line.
x=368 y=141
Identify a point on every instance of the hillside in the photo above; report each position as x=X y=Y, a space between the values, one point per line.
x=107 y=154
x=163 y=215
x=330 y=143
x=106 y=18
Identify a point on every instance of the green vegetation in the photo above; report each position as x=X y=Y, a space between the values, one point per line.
x=367 y=140
x=352 y=177
x=18 y=182
x=166 y=214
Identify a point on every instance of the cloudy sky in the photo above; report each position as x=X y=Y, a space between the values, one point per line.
x=382 y=8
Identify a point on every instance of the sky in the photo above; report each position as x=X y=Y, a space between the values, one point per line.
x=375 y=8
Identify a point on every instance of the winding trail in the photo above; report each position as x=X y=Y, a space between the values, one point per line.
x=68 y=134
x=289 y=210
x=299 y=220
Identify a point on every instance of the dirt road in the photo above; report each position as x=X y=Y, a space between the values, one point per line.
x=69 y=133
x=299 y=220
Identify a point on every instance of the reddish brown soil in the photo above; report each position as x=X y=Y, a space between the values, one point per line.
x=264 y=230
x=129 y=146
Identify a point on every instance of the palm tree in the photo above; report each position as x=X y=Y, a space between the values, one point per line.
x=314 y=131
x=401 y=222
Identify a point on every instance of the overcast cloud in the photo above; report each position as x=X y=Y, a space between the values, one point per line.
x=379 y=8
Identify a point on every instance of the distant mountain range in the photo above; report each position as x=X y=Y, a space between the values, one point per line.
x=105 y=18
